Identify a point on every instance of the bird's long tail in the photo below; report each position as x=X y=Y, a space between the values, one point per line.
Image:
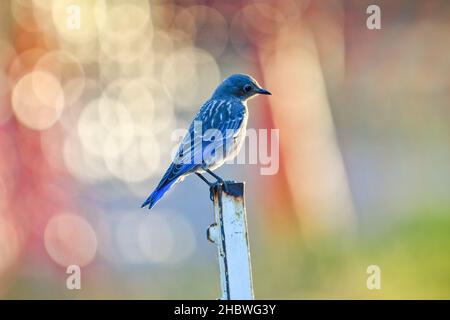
x=172 y=175
x=157 y=194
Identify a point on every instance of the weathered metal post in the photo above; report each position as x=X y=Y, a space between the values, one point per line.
x=229 y=232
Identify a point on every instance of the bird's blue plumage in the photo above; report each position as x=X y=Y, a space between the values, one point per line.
x=172 y=175
x=215 y=114
x=225 y=112
x=222 y=115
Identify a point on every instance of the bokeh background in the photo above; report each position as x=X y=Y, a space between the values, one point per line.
x=87 y=114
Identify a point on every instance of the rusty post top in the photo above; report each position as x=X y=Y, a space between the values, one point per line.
x=235 y=189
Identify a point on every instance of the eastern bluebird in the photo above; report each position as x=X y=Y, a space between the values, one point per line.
x=223 y=121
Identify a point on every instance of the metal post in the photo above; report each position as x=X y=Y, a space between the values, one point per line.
x=229 y=233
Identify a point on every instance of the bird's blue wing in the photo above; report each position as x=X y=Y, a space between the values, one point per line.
x=224 y=116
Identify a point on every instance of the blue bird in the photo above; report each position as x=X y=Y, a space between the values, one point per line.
x=215 y=135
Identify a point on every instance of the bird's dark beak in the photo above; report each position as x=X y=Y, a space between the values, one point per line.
x=263 y=91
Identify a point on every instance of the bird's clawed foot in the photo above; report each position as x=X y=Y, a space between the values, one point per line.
x=214 y=186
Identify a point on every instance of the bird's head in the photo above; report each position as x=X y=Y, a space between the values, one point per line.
x=240 y=86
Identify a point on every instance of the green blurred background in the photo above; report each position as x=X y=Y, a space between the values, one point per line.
x=91 y=93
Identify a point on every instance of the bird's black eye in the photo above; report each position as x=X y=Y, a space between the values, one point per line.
x=247 y=88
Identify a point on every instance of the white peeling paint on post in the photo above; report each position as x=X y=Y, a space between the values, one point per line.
x=230 y=234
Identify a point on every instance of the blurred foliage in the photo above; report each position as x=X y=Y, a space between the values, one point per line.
x=412 y=253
